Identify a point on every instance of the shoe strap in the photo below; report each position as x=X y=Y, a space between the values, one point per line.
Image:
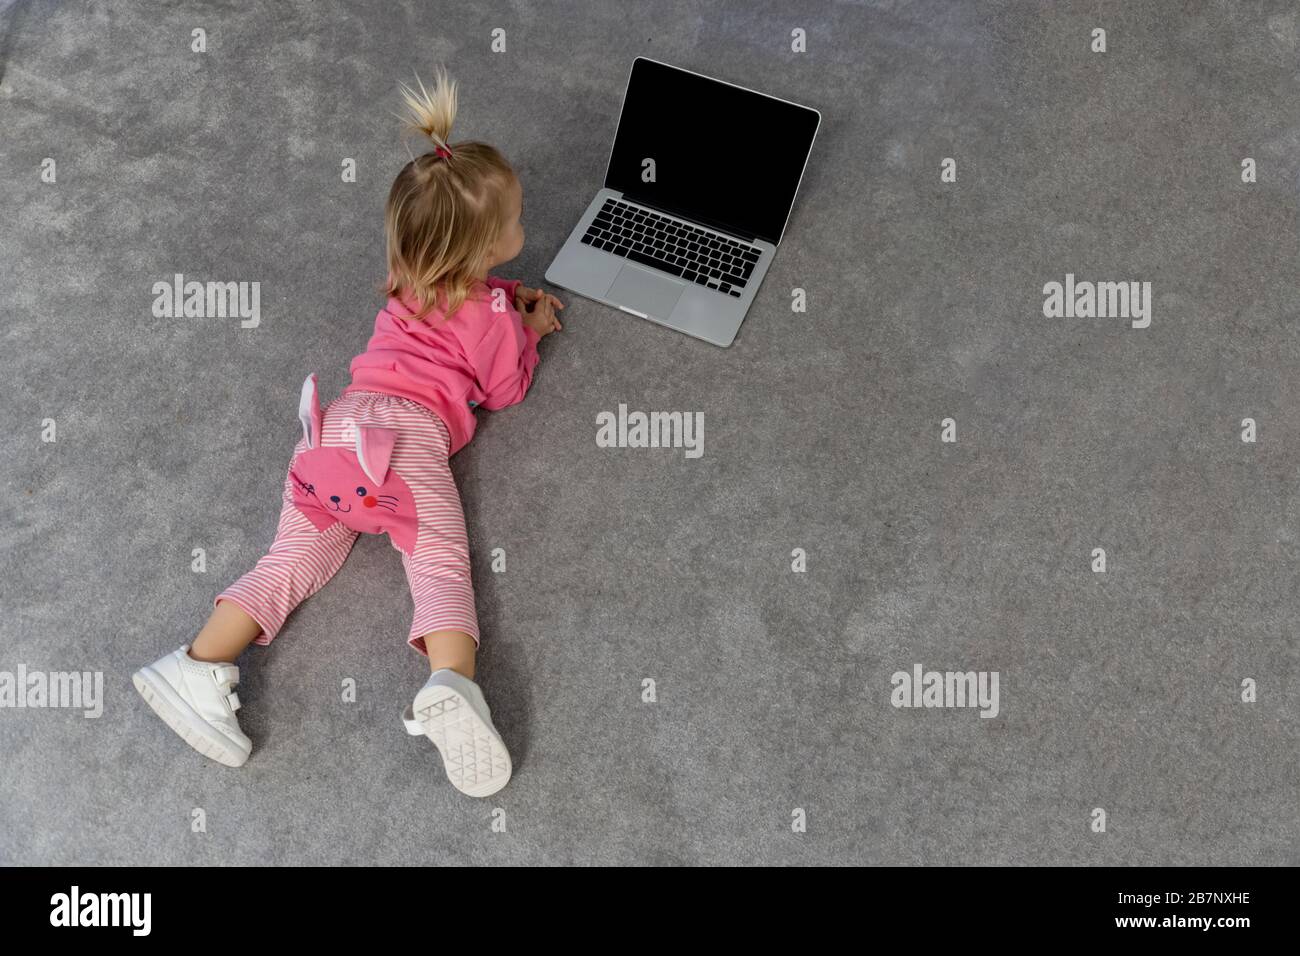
x=413 y=726
x=233 y=700
x=226 y=674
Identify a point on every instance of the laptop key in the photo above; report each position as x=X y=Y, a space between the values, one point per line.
x=654 y=263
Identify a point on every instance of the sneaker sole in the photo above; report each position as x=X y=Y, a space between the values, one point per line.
x=183 y=719
x=473 y=754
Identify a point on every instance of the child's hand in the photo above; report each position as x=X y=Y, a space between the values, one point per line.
x=532 y=295
x=539 y=314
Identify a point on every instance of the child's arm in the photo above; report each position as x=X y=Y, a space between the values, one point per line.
x=505 y=360
x=510 y=285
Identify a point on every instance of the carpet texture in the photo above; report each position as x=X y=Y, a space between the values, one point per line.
x=771 y=736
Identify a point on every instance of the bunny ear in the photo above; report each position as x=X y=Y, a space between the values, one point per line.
x=374 y=449
x=309 y=411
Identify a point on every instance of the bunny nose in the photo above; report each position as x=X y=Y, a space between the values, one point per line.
x=334 y=498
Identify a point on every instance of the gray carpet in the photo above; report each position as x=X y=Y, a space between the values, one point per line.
x=1118 y=691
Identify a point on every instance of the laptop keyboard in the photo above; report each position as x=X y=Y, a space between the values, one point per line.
x=675 y=247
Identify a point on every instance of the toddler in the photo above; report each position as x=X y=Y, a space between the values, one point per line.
x=451 y=338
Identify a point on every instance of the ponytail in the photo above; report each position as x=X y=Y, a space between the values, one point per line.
x=431 y=113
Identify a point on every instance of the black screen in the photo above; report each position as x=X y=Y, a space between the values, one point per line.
x=724 y=156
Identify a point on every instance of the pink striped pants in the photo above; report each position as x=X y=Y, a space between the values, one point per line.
x=302 y=558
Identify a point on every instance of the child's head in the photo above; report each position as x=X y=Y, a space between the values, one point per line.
x=449 y=218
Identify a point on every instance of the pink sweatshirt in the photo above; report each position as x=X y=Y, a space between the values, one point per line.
x=477 y=358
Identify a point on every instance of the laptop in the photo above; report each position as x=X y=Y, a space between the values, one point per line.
x=698 y=191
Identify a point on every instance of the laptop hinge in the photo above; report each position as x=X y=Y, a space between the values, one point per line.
x=738 y=233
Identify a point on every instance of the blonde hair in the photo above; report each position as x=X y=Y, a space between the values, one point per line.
x=444 y=214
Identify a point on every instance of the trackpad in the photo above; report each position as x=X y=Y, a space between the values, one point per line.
x=644 y=291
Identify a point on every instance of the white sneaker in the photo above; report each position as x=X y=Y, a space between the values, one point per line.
x=196 y=701
x=450 y=711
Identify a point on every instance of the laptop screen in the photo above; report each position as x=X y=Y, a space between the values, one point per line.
x=723 y=156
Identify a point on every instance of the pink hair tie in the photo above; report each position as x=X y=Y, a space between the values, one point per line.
x=442 y=152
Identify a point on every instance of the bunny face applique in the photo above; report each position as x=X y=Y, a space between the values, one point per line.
x=352 y=486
